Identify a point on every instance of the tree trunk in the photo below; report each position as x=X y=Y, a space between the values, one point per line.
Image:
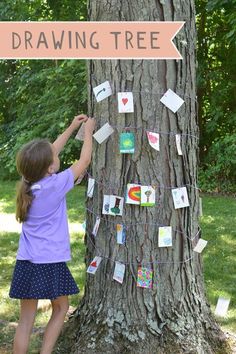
x=174 y=316
x=203 y=86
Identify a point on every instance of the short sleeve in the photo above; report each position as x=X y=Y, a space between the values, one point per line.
x=64 y=182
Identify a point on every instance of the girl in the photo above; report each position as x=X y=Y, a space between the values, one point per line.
x=44 y=247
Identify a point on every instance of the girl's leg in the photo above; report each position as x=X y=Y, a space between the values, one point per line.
x=28 y=312
x=59 y=309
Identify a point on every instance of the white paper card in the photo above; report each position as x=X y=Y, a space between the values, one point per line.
x=172 y=101
x=133 y=194
x=201 y=244
x=178 y=144
x=120 y=234
x=94 y=265
x=96 y=226
x=119 y=272
x=148 y=196
x=125 y=102
x=80 y=133
x=102 y=91
x=103 y=133
x=180 y=197
x=154 y=140
x=116 y=205
x=222 y=307
x=106 y=204
x=91 y=183
x=79 y=180
x=165 y=236
x=112 y=205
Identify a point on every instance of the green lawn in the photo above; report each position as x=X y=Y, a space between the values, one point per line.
x=218 y=227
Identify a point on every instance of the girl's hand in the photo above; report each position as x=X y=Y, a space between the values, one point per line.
x=78 y=120
x=89 y=125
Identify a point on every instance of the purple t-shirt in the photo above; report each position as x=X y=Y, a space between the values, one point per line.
x=45 y=234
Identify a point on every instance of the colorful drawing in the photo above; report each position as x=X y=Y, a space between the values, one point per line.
x=127 y=143
x=125 y=102
x=102 y=91
x=145 y=277
x=120 y=234
x=147 y=196
x=119 y=272
x=94 y=265
x=133 y=195
x=112 y=205
x=165 y=236
x=154 y=140
x=116 y=205
x=180 y=197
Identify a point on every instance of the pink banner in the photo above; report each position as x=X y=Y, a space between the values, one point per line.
x=89 y=40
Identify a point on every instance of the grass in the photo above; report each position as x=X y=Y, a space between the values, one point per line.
x=219 y=259
x=218 y=225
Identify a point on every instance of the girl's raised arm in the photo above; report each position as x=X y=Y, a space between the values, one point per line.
x=86 y=153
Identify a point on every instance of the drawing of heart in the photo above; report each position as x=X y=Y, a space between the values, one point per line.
x=153 y=139
x=124 y=100
x=94 y=264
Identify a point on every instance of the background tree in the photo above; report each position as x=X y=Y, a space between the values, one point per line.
x=174 y=316
x=216 y=56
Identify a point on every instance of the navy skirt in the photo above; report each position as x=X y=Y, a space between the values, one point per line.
x=41 y=281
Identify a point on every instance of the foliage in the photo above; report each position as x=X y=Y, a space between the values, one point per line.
x=38 y=98
x=43 y=10
x=216 y=55
x=220 y=174
x=42 y=103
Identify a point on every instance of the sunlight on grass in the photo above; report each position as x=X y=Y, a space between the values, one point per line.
x=8 y=223
x=219 y=256
x=209 y=220
x=7 y=202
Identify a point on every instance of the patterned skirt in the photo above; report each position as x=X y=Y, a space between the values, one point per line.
x=41 y=281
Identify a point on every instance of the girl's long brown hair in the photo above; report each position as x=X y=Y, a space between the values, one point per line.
x=32 y=163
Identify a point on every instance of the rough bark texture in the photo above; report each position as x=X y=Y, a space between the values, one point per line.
x=174 y=316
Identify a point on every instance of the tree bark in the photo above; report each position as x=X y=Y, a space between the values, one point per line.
x=174 y=316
